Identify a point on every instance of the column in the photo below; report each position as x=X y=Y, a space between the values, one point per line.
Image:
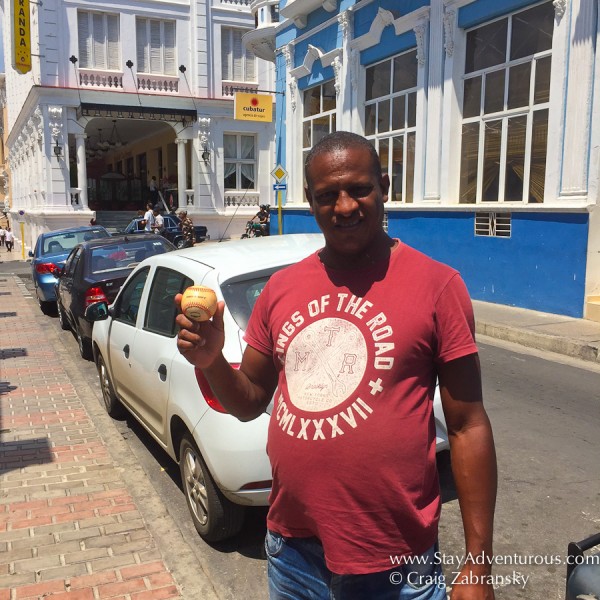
x=181 y=173
x=81 y=169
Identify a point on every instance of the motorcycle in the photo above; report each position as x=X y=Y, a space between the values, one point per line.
x=258 y=229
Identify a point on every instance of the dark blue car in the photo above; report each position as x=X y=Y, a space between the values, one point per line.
x=49 y=256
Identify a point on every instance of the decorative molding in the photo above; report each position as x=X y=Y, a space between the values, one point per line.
x=560 y=8
x=55 y=113
x=337 y=69
x=449 y=20
x=293 y=85
x=345 y=21
x=203 y=130
x=312 y=54
x=420 y=30
x=354 y=67
x=288 y=55
x=383 y=19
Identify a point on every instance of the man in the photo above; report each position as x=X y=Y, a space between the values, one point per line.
x=353 y=338
x=148 y=220
x=159 y=221
x=263 y=216
x=2 y=235
x=9 y=239
x=187 y=228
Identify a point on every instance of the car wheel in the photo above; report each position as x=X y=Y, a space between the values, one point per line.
x=45 y=306
x=111 y=403
x=62 y=318
x=179 y=244
x=85 y=345
x=215 y=517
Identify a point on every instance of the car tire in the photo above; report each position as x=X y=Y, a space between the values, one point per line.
x=215 y=517
x=62 y=318
x=111 y=403
x=179 y=244
x=85 y=345
x=45 y=306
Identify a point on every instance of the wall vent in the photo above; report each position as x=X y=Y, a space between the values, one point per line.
x=493 y=224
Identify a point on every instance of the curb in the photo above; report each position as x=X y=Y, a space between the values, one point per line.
x=540 y=341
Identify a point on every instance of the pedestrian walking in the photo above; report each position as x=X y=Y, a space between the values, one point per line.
x=148 y=220
x=9 y=239
x=187 y=228
x=2 y=235
x=351 y=341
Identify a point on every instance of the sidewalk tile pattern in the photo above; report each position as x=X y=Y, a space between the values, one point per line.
x=69 y=528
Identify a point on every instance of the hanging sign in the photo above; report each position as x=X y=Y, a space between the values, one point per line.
x=253 y=107
x=22 y=36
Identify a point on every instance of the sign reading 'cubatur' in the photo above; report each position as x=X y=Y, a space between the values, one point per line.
x=253 y=107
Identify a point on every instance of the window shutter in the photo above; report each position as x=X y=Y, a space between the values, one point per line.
x=112 y=22
x=226 y=53
x=155 y=47
x=238 y=55
x=99 y=41
x=142 y=46
x=83 y=33
x=250 y=66
x=169 y=47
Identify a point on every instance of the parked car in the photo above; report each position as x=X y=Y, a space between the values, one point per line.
x=49 y=255
x=172 y=230
x=223 y=462
x=93 y=272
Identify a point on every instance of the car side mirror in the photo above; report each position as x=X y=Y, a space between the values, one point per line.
x=97 y=312
x=30 y=253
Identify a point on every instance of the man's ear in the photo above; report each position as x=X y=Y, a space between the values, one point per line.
x=308 y=197
x=385 y=186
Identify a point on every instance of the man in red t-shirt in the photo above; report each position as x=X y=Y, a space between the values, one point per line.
x=352 y=357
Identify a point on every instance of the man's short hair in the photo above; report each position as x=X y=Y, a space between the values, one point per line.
x=182 y=213
x=341 y=140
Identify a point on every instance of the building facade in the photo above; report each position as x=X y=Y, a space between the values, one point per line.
x=483 y=116
x=126 y=100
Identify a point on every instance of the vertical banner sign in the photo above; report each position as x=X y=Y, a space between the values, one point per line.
x=22 y=36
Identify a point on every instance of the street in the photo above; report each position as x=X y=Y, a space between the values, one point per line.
x=545 y=417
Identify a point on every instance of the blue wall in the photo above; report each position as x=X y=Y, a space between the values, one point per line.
x=541 y=266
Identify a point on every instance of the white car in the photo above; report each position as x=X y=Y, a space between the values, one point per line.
x=223 y=461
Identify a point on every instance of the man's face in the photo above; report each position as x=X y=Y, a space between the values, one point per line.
x=346 y=197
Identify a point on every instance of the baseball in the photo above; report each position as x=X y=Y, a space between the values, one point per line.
x=198 y=303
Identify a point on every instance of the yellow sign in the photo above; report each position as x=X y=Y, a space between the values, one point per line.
x=253 y=107
x=22 y=43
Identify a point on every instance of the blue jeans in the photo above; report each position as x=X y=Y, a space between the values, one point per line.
x=297 y=571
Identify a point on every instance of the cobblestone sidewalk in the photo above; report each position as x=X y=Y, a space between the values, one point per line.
x=69 y=528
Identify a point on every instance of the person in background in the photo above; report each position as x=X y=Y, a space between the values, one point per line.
x=159 y=221
x=153 y=186
x=2 y=235
x=148 y=221
x=9 y=239
x=348 y=344
x=187 y=228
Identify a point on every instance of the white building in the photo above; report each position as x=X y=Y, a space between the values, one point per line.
x=485 y=115
x=119 y=93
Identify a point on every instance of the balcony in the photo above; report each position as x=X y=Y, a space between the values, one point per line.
x=158 y=83
x=108 y=80
x=228 y=88
x=241 y=199
x=261 y=42
x=236 y=2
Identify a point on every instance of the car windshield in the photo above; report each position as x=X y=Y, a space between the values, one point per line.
x=240 y=296
x=63 y=243
x=117 y=256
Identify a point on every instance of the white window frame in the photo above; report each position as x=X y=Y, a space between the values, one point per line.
x=527 y=111
x=248 y=60
x=97 y=53
x=391 y=134
x=241 y=161
x=167 y=48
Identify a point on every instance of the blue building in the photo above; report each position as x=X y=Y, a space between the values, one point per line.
x=483 y=116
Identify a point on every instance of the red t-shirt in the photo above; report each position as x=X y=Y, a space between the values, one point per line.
x=352 y=435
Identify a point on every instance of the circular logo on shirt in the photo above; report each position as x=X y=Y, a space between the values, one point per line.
x=325 y=363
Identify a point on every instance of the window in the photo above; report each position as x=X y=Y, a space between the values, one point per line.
x=505 y=108
x=128 y=304
x=391 y=119
x=155 y=46
x=237 y=62
x=98 y=35
x=319 y=115
x=161 y=311
x=239 y=152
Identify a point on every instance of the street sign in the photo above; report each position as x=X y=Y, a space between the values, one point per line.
x=279 y=173
x=280 y=186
